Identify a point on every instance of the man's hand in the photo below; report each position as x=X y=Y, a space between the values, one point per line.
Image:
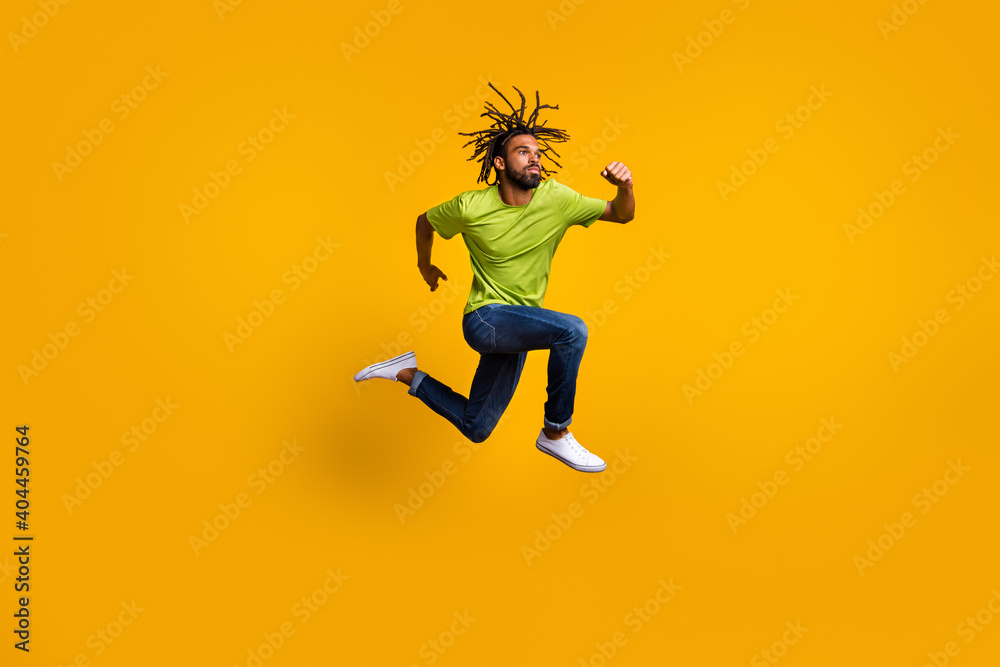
x=425 y=239
x=431 y=274
x=621 y=209
x=618 y=174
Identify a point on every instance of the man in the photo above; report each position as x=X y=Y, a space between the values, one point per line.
x=512 y=229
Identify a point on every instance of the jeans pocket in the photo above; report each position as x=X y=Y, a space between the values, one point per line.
x=480 y=336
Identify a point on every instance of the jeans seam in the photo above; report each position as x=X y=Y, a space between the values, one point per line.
x=531 y=316
x=446 y=409
x=418 y=378
x=493 y=332
x=493 y=388
x=555 y=426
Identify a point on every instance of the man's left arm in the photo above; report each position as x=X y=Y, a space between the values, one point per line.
x=621 y=209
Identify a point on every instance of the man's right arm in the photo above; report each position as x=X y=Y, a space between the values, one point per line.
x=425 y=239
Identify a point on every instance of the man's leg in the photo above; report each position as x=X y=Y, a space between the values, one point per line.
x=524 y=328
x=499 y=331
x=492 y=388
x=503 y=334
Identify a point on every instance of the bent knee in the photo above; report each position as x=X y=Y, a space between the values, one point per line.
x=480 y=431
x=577 y=328
x=479 y=434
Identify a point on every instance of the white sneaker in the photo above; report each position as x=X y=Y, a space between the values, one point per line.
x=387 y=369
x=570 y=452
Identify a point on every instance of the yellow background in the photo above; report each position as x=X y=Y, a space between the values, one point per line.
x=323 y=176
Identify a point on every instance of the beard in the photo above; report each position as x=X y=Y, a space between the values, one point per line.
x=525 y=179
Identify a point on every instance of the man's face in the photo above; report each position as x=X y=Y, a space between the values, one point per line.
x=523 y=164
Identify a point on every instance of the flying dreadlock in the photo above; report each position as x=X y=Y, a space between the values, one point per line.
x=491 y=142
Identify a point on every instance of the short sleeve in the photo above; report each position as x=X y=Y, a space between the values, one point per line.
x=579 y=210
x=447 y=219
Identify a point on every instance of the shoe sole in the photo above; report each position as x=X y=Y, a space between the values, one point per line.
x=571 y=465
x=368 y=370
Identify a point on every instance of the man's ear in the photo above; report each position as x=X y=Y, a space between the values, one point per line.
x=498 y=163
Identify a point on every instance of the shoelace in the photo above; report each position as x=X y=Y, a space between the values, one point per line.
x=576 y=445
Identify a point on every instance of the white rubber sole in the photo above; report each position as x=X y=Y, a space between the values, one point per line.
x=574 y=466
x=365 y=372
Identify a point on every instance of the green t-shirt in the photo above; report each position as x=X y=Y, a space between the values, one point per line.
x=511 y=247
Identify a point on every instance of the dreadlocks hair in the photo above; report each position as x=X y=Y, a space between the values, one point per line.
x=492 y=141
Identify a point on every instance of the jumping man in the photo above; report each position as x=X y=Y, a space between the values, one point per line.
x=512 y=229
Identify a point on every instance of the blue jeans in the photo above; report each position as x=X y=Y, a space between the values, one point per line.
x=503 y=334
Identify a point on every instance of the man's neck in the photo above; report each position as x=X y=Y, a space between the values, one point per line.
x=512 y=194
